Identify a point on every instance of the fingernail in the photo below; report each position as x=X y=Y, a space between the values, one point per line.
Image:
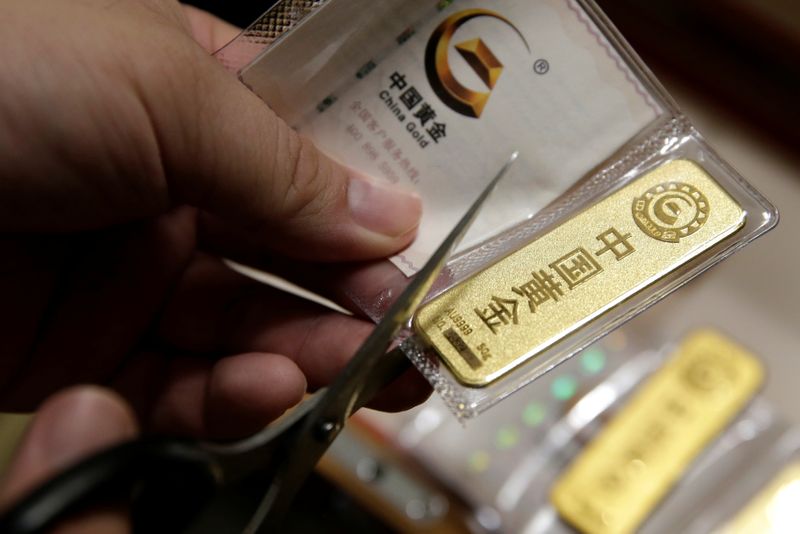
x=383 y=208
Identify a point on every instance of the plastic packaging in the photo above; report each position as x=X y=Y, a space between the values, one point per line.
x=435 y=95
x=506 y=466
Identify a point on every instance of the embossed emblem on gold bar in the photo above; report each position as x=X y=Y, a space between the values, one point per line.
x=630 y=466
x=526 y=302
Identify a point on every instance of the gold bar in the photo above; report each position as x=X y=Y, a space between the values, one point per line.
x=624 y=473
x=774 y=510
x=510 y=312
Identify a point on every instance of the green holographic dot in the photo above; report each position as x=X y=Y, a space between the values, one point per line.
x=564 y=387
x=593 y=361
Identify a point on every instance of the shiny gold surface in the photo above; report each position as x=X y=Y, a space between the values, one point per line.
x=518 y=307
x=774 y=510
x=624 y=473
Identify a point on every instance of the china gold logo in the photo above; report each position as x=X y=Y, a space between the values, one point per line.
x=671 y=211
x=475 y=52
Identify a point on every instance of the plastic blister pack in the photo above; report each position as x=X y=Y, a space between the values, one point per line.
x=506 y=467
x=434 y=96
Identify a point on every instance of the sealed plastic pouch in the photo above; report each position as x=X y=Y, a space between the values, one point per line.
x=615 y=202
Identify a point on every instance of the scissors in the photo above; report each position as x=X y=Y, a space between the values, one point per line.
x=178 y=485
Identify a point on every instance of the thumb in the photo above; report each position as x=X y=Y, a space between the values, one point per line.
x=69 y=426
x=227 y=153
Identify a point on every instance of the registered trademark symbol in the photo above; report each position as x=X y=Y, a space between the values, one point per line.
x=541 y=66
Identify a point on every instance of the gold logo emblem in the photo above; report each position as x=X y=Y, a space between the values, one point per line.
x=671 y=211
x=482 y=60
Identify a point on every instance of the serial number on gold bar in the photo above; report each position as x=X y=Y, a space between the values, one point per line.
x=616 y=482
x=510 y=312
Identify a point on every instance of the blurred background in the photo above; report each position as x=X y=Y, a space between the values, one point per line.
x=733 y=66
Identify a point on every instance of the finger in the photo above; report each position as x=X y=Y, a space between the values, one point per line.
x=365 y=288
x=209 y=31
x=281 y=184
x=231 y=398
x=154 y=122
x=247 y=391
x=69 y=426
x=405 y=392
x=214 y=310
x=318 y=211
x=225 y=151
x=230 y=313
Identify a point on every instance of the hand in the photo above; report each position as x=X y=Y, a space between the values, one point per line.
x=72 y=424
x=129 y=160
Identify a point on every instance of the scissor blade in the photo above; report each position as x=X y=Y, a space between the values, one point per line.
x=369 y=370
x=408 y=302
x=359 y=379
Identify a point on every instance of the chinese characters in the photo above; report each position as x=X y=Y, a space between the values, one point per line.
x=378 y=142
x=548 y=286
x=402 y=98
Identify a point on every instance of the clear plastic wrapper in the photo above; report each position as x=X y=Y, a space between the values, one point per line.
x=436 y=95
x=506 y=466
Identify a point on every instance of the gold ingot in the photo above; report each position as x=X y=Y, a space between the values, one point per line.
x=773 y=510
x=617 y=481
x=510 y=312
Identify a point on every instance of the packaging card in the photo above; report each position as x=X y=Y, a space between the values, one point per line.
x=437 y=99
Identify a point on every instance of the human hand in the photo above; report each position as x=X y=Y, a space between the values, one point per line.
x=129 y=161
x=69 y=426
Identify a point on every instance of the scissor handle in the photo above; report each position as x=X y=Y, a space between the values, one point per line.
x=166 y=479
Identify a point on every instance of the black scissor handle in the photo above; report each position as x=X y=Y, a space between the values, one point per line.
x=167 y=482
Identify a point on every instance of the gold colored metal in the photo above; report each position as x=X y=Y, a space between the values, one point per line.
x=453 y=93
x=625 y=472
x=482 y=60
x=773 y=510
x=510 y=312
